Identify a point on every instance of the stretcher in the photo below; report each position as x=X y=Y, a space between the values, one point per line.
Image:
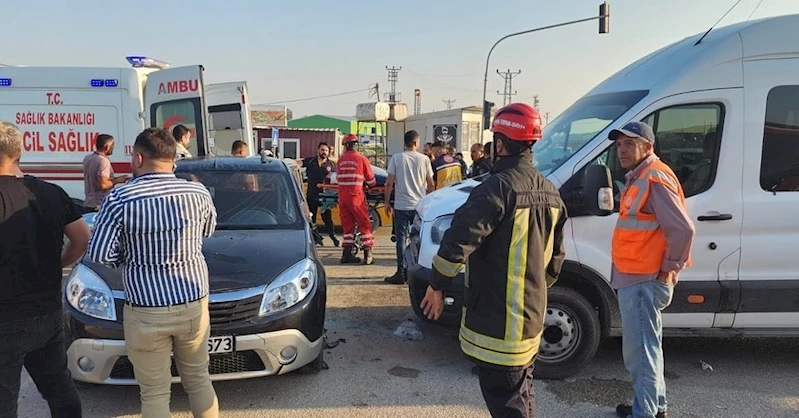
x=375 y=197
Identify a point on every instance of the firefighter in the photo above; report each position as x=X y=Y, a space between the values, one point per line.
x=353 y=170
x=510 y=232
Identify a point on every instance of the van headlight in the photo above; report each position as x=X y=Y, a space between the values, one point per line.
x=291 y=287
x=89 y=294
x=440 y=225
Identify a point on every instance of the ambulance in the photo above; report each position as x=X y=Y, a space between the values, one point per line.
x=61 y=111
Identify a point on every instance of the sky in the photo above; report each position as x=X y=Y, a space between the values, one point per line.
x=302 y=49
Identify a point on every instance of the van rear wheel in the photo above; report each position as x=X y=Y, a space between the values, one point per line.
x=570 y=337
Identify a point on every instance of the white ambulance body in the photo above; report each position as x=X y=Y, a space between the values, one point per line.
x=61 y=110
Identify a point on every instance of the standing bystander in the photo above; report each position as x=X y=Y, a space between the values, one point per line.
x=166 y=283
x=319 y=168
x=410 y=176
x=34 y=217
x=651 y=245
x=98 y=174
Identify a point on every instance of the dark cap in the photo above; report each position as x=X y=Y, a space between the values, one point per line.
x=634 y=130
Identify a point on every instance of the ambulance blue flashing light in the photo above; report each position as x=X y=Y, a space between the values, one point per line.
x=107 y=83
x=138 y=61
x=5 y=82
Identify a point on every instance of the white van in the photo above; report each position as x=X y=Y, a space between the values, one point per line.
x=726 y=115
x=61 y=110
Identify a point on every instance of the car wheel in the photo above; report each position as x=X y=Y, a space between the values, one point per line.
x=317 y=365
x=571 y=335
x=375 y=218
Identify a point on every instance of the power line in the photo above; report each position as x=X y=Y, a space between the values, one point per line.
x=444 y=85
x=443 y=75
x=319 y=97
x=753 y=11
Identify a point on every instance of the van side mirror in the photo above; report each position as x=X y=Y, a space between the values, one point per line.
x=598 y=187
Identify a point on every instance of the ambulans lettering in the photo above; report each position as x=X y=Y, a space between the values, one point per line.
x=178 y=86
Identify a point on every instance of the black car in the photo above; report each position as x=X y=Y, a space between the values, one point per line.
x=268 y=287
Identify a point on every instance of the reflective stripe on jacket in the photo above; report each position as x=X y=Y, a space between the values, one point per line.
x=639 y=244
x=509 y=236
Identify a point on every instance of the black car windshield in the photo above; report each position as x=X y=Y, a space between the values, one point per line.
x=250 y=200
x=578 y=125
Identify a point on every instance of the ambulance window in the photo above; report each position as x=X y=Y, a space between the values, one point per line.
x=779 y=168
x=180 y=112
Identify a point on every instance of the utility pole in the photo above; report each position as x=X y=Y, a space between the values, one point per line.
x=417 y=101
x=509 y=92
x=546 y=118
x=393 y=75
x=449 y=103
x=536 y=102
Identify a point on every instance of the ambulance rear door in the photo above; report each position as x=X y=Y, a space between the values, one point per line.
x=229 y=116
x=175 y=96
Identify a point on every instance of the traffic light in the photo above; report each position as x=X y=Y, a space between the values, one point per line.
x=604 y=18
x=487 y=114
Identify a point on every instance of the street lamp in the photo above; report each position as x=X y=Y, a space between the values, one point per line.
x=604 y=27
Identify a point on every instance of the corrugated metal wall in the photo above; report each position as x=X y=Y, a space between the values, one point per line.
x=309 y=139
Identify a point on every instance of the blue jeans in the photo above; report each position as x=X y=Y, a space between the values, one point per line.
x=642 y=330
x=402 y=229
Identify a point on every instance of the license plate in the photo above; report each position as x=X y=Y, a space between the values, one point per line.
x=221 y=345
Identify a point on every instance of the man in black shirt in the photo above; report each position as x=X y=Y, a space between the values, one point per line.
x=34 y=217
x=319 y=168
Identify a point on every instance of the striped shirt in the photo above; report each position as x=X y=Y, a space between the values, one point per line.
x=154 y=227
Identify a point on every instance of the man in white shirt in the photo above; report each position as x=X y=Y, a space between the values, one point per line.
x=410 y=176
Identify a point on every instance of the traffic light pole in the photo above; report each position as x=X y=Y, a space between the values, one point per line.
x=604 y=14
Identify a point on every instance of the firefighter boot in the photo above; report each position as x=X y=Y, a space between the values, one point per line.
x=347 y=257
x=367 y=256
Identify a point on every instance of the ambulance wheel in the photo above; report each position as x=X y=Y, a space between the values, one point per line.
x=375 y=218
x=571 y=335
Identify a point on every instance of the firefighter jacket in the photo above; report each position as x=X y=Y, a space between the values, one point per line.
x=509 y=236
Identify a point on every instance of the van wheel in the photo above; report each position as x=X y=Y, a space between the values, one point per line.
x=571 y=335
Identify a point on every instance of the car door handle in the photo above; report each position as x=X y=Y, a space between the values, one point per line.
x=715 y=217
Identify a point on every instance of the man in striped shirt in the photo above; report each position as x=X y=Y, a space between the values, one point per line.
x=154 y=228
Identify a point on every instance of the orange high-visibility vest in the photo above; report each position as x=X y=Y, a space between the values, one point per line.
x=639 y=244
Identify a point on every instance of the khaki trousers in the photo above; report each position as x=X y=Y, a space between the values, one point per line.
x=151 y=335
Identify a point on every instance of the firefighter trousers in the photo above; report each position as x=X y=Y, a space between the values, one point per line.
x=508 y=394
x=353 y=210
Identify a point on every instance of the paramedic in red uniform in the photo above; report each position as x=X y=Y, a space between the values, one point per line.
x=353 y=170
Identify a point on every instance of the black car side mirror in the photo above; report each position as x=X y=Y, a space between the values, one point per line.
x=598 y=187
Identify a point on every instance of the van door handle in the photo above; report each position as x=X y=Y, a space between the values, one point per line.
x=716 y=217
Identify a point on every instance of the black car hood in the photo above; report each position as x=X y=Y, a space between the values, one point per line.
x=238 y=259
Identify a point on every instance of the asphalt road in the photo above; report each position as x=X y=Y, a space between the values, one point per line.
x=372 y=373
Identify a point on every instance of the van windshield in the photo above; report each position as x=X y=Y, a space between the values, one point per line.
x=578 y=125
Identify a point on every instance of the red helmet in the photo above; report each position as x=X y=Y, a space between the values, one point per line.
x=518 y=122
x=349 y=138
